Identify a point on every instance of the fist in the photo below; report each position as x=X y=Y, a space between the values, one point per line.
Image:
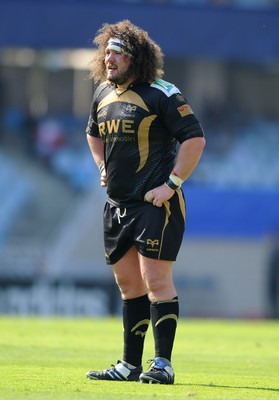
x=159 y=195
x=103 y=178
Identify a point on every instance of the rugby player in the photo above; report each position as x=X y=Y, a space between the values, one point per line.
x=146 y=141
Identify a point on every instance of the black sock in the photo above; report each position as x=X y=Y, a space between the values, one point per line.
x=164 y=316
x=136 y=318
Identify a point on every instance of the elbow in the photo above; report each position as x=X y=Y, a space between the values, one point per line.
x=199 y=142
x=203 y=142
x=88 y=137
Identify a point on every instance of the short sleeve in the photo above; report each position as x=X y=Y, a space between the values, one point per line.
x=179 y=118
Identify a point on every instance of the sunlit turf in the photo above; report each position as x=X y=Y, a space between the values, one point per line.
x=46 y=358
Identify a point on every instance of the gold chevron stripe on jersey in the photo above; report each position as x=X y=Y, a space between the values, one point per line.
x=126 y=97
x=143 y=140
x=143 y=131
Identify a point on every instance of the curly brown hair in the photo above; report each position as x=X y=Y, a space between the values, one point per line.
x=148 y=57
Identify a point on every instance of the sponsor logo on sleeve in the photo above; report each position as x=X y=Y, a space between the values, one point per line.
x=184 y=110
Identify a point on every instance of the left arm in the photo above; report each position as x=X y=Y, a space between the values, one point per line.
x=188 y=156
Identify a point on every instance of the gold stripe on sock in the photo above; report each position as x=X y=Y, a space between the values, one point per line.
x=168 y=316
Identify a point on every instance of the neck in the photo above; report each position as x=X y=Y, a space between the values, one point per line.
x=125 y=85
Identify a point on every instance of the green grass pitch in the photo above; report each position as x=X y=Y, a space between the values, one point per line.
x=46 y=358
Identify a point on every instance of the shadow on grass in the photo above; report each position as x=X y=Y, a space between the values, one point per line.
x=234 y=387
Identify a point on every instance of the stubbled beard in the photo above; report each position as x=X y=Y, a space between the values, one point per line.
x=124 y=77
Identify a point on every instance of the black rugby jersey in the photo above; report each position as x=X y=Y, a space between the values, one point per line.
x=140 y=129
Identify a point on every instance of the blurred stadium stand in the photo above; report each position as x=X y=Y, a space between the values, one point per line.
x=224 y=55
x=13 y=197
x=194 y=29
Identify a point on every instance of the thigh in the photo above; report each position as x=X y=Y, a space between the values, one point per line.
x=127 y=275
x=157 y=276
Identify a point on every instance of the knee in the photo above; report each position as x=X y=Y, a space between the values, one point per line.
x=123 y=284
x=160 y=288
x=156 y=284
x=130 y=288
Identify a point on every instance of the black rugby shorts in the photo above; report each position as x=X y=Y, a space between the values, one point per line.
x=157 y=232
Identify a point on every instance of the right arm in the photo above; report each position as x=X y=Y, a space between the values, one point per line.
x=97 y=149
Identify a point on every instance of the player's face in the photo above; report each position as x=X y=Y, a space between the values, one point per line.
x=118 y=67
